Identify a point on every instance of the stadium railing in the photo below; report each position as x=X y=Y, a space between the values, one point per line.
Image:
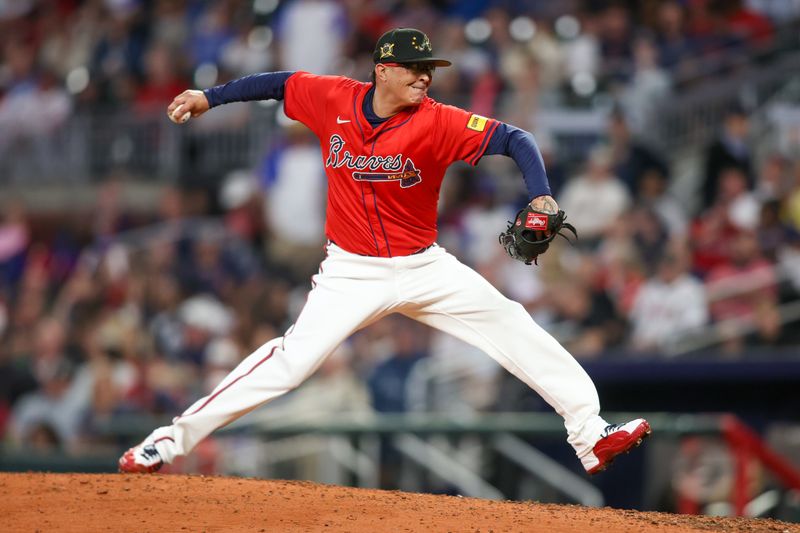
x=412 y=433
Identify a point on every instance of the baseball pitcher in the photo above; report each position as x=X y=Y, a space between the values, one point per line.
x=385 y=148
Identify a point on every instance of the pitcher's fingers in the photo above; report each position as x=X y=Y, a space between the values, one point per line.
x=179 y=100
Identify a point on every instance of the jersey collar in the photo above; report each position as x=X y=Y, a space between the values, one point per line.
x=368 y=132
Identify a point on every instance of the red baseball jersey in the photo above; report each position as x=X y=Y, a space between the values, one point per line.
x=383 y=182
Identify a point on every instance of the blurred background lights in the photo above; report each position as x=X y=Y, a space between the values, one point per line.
x=206 y=75
x=477 y=30
x=259 y=38
x=584 y=84
x=567 y=27
x=264 y=7
x=522 y=29
x=77 y=80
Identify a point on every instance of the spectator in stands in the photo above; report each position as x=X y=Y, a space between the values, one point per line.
x=109 y=216
x=170 y=25
x=249 y=51
x=484 y=211
x=653 y=195
x=462 y=377
x=31 y=114
x=69 y=35
x=772 y=232
x=773 y=180
x=631 y=158
x=15 y=236
x=668 y=306
x=117 y=58
x=595 y=199
x=548 y=52
x=616 y=41
x=162 y=80
x=674 y=45
x=582 y=54
x=221 y=356
x=735 y=210
x=730 y=150
x=717 y=45
x=742 y=206
x=16 y=378
x=623 y=271
x=206 y=270
x=312 y=34
x=585 y=320
x=108 y=373
x=747 y=24
x=204 y=318
x=163 y=323
x=292 y=183
x=792 y=199
x=789 y=262
x=649 y=235
x=211 y=31
x=578 y=323
x=388 y=381
x=649 y=85
x=388 y=384
x=738 y=288
x=49 y=409
x=521 y=72
x=240 y=197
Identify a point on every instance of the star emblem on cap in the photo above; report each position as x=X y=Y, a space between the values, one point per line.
x=387 y=50
x=426 y=44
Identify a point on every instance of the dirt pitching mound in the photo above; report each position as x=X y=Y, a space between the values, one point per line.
x=121 y=503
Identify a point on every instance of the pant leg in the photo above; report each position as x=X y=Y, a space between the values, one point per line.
x=348 y=293
x=452 y=297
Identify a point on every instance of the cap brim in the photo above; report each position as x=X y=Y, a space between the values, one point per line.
x=437 y=61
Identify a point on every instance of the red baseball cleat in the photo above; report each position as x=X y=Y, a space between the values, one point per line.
x=141 y=459
x=615 y=439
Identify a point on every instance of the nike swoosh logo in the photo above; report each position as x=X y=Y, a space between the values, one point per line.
x=340 y=121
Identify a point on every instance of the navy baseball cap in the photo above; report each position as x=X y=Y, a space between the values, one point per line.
x=406 y=45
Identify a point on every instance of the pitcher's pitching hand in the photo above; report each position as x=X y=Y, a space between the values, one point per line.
x=186 y=105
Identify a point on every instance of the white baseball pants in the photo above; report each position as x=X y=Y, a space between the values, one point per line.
x=352 y=291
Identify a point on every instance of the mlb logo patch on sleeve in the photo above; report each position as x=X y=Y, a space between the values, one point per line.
x=477 y=123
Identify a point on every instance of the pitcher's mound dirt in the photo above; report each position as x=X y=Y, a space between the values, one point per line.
x=120 y=503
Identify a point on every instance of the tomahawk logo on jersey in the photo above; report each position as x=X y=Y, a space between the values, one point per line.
x=381 y=168
x=367 y=212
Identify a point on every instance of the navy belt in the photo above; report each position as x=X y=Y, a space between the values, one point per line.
x=423 y=249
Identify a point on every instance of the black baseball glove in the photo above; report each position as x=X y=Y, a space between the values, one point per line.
x=529 y=235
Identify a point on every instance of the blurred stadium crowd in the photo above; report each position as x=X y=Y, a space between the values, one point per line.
x=119 y=310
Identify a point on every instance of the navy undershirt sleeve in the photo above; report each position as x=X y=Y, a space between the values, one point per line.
x=520 y=146
x=264 y=86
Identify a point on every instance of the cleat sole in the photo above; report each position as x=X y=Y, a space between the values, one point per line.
x=634 y=444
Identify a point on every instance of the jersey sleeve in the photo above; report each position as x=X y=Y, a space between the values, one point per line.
x=306 y=98
x=462 y=136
